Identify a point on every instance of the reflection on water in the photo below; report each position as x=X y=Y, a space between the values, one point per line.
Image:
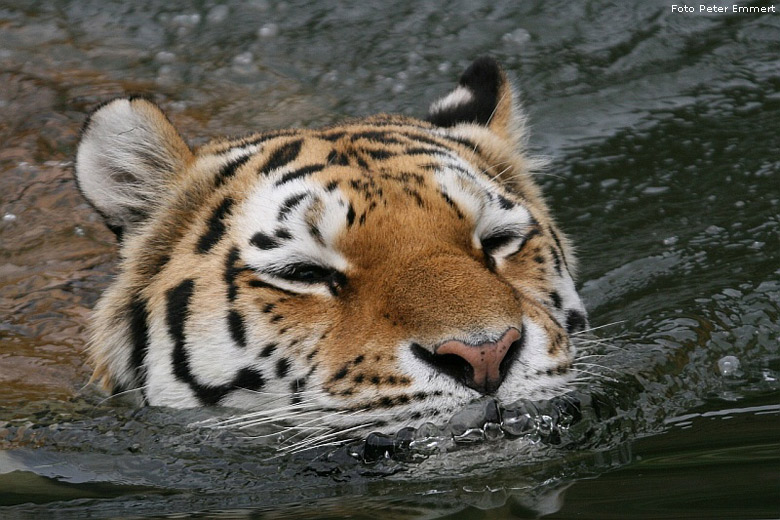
x=664 y=136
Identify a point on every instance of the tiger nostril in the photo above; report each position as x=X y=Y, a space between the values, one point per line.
x=481 y=367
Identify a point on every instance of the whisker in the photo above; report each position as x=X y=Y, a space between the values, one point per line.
x=576 y=364
x=591 y=329
x=120 y=394
x=316 y=443
x=260 y=413
x=595 y=375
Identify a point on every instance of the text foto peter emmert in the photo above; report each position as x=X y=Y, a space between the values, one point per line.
x=702 y=8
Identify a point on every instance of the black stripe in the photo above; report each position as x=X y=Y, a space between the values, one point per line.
x=299 y=173
x=556 y=260
x=237 y=328
x=248 y=379
x=283 y=233
x=262 y=241
x=231 y=271
x=282 y=156
x=335 y=157
x=139 y=336
x=268 y=350
x=424 y=151
x=177 y=311
x=427 y=140
x=560 y=247
x=289 y=204
x=376 y=136
x=451 y=203
x=378 y=154
x=505 y=203
x=177 y=308
x=216 y=226
x=350 y=215
x=282 y=366
x=229 y=170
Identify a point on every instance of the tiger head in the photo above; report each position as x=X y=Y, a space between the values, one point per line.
x=387 y=268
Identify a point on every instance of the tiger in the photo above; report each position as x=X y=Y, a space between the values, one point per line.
x=387 y=270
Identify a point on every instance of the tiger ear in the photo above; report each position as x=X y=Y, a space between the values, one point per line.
x=128 y=153
x=484 y=96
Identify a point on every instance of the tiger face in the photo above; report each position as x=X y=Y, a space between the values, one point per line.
x=384 y=271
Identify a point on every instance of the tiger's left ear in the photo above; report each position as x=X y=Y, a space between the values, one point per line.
x=484 y=96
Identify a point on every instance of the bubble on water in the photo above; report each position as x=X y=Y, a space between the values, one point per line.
x=218 y=13
x=517 y=37
x=268 y=30
x=713 y=230
x=655 y=190
x=739 y=204
x=606 y=183
x=244 y=63
x=444 y=67
x=186 y=20
x=671 y=241
x=9 y=217
x=245 y=58
x=728 y=365
x=757 y=245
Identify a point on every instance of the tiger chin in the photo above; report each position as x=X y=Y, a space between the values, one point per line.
x=384 y=272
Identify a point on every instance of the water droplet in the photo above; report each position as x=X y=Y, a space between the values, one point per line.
x=268 y=30
x=728 y=365
x=79 y=231
x=9 y=217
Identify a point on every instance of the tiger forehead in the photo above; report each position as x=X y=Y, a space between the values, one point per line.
x=370 y=164
x=406 y=150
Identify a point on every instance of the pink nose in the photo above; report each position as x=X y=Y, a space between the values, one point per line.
x=485 y=359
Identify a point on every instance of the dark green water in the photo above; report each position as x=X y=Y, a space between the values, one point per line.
x=665 y=144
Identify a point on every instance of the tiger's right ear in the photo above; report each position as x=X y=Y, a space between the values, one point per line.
x=128 y=153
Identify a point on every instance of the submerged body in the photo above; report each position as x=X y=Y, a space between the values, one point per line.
x=387 y=270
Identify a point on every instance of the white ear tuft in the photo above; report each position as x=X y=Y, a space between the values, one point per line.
x=128 y=153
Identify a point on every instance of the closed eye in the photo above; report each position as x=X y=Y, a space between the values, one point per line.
x=508 y=241
x=311 y=274
x=493 y=243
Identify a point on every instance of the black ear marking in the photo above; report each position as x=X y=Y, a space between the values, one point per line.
x=476 y=97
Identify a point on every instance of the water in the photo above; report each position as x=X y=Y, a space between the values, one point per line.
x=663 y=132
